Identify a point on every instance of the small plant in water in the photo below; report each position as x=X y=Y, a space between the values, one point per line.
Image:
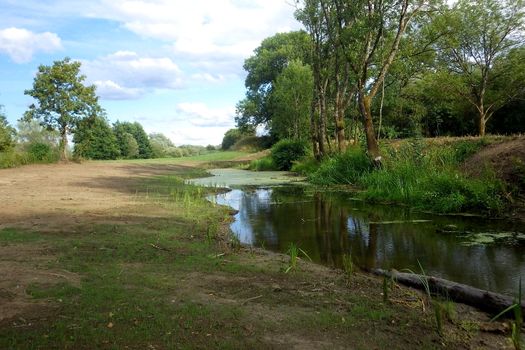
x=517 y=323
x=294 y=251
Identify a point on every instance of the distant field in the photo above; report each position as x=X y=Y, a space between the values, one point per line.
x=208 y=157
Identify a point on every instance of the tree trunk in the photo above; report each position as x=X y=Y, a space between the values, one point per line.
x=322 y=124
x=63 y=144
x=481 y=299
x=371 y=141
x=314 y=130
x=340 y=127
x=482 y=123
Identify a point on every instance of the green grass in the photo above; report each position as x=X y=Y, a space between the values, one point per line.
x=263 y=164
x=417 y=174
x=166 y=282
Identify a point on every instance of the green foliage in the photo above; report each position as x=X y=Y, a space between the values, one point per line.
x=61 y=98
x=348 y=264
x=263 y=69
x=305 y=166
x=416 y=174
x=127 y=147
x=263 y=164
x=31 y=131
x=231 y=137
x=40 y=151
x=253 y=143
x=6 y=132
x=285 y=152
x=294 y=251
x=94 y=139
x=291 y=102
x=345 y=168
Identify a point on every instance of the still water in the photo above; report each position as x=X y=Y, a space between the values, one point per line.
x=488 y=254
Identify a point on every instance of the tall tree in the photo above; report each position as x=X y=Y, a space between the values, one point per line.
x=139 y=135
x=61 y=98
x=263 y=68
x=94 y=139
x=482 y=33
x=365 y=37
x=292 y=98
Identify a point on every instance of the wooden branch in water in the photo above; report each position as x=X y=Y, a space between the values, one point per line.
x=481 y=299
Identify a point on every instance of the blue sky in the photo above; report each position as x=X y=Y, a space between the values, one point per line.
x=175 y=66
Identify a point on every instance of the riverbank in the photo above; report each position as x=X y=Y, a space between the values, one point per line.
x=443 y=175
x=124 y=254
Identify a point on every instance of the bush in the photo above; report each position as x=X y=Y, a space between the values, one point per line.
x=346 y=168
x=263 y=164
x=285 y=152
x=306 y=166
x=39 y=152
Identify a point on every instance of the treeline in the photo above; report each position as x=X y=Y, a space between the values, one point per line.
x=93 y=137
x=64 y=106
x=364 y=70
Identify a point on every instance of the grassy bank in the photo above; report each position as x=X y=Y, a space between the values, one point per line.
x=165 y=274
x=425 y=174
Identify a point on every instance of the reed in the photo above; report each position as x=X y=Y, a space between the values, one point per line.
x=294 y=251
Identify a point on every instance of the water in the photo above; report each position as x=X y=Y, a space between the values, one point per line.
x=488 y=254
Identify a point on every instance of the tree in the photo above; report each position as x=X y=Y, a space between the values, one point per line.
x=230 y=138
x=31 y=131
x=94 y=139
x=292 y=98
x=6 y=132
x=482 y=34
x=139 y=135
x=161 y=145
x=363 y=39
x=61 y=99
x=263 y=68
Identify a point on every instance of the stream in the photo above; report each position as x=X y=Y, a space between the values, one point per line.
x=487 y=254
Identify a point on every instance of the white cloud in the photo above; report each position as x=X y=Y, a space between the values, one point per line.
x=214 y=35
x=21 y=44
x=124 y=74
x=199 y=114
x=110 y=90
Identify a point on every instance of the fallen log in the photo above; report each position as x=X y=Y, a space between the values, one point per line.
x=484 y=300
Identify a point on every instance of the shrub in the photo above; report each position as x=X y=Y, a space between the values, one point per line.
x=39 y=151
x=285 y=152
x=306 y=166
x=263 y=164
x=346 y=168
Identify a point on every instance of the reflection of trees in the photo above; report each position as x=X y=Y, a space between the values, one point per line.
x=327 y=227
x=331 y=234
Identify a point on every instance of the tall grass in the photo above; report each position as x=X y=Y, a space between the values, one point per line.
x=262 y=164
x=416 y=174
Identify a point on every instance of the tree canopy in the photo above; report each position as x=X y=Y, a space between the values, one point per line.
x=7 y=132
x=138 y=146
x=94 y=139
x=62 y=99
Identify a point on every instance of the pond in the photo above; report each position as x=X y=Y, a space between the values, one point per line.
x=488 y=254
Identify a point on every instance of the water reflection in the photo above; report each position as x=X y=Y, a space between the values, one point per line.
x=329 y=225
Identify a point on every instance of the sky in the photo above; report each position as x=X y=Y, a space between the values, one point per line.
x=175 y=66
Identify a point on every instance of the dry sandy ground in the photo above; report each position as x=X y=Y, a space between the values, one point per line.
x=55 y=198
